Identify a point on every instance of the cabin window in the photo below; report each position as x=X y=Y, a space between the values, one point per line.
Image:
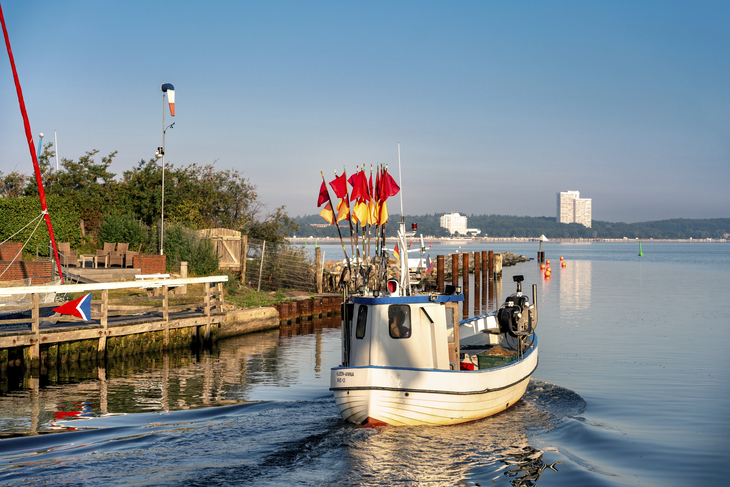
x=399 y=320
x=362 y=319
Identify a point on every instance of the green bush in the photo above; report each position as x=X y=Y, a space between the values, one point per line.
x=125 y=228
x=183 y=244
x=15 y=213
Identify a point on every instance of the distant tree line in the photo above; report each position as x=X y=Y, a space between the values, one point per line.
x=503 y=226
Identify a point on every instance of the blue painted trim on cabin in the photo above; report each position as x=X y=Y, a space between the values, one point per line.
x=440 y=298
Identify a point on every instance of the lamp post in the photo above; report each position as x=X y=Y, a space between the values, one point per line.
x=169 y=90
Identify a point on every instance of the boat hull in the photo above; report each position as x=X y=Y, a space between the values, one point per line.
x=401 y=396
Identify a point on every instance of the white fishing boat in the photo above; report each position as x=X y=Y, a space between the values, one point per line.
x=406 y=359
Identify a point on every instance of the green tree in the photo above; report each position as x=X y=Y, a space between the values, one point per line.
x=13 y=185
x=85 y=184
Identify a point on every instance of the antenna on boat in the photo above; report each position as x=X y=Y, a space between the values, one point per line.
x=400 y=181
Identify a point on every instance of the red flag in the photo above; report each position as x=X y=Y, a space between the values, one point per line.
x=377 y=185
x=328 y=214
x=339 y=186
x=396 y=254
x=370 y=183
x=390 y=187
x=323 y=196
x=359 y=183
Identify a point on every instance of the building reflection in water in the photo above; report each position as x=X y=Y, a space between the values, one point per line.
x=231 y=372
x=575 y=287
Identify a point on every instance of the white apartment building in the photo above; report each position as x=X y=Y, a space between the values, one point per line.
x=453 y=222
x=574 y=209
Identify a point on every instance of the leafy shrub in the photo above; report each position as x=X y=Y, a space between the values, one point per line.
x=183 y=244
x=125 y=228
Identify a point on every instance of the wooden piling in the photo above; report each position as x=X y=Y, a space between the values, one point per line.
x=454 y=269
x=485 y=279
x=440 y=273
x=477 y=283
x=318 y=267
x=491 y=264
x=465 y=284
x=498 y=266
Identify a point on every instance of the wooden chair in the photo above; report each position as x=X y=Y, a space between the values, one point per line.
x=67 y=256
x=117 y=256
x=105 y=254
x=129 y=256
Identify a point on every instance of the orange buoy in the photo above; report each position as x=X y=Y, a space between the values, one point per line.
x=547 y=262
x=561 y=257
x=563 y=264
x=542 y=266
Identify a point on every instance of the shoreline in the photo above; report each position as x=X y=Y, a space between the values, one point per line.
x=462 y=241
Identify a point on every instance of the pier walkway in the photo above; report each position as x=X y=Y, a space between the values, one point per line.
x=22 y=321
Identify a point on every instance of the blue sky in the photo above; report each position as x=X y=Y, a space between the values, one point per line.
x=497 y=105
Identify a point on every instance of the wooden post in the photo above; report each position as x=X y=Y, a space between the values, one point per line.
x=455 y=269
x=440 y=273
x=244 y=252
x=465 y=284
x=183 y=275
x=491 y=264
x=35 y=348
x=206 y=336
x=485 y=280
x=104 y=321
x=477 y=284
x=318 y=267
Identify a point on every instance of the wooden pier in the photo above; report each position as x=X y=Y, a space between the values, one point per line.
x=154 y=322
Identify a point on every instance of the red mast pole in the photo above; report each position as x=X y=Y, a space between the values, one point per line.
x=31 y=145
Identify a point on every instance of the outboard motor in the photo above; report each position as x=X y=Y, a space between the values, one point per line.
x=517 y=317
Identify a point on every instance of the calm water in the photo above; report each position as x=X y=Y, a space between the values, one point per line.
x=633 y=388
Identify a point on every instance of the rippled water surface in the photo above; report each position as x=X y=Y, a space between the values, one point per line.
x=632 y=389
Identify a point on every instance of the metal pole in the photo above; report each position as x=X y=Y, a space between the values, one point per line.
x=162 y=214
x=400 y=180
x=261 y=267
x=55 y=137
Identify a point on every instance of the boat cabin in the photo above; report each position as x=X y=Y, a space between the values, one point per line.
x=408 y=331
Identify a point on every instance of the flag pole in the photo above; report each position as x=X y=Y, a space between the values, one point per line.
x=400 y=180
x=342 y=242
x=353 y=243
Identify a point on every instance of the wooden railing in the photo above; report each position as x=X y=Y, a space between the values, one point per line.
x=63 y=328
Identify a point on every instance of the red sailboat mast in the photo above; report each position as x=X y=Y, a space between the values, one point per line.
x=31 y=145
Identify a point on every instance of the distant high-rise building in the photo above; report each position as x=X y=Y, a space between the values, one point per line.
x=453 y=222
x=574 y=209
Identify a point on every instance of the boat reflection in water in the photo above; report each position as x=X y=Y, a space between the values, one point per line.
x=526 y=464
